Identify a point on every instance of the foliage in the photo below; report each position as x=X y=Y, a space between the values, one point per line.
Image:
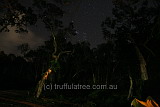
x=132 y=25
x=131 y=30
x=23 y=48
x=15 y=14
x=54 y=65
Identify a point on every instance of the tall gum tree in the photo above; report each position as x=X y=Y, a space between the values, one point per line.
x=15 y=14
x=131 y=29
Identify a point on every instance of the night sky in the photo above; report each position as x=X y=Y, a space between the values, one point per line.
x=87 y=16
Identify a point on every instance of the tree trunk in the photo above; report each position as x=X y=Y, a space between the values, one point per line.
x=41 y=83
x=142 y=63
x=130 y=88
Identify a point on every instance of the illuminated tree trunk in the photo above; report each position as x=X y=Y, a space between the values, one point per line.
x=41 y=83
x=142 y=64
x=130 y=88
x=143 y=70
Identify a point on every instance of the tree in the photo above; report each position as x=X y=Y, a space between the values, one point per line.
x=24 y=48
x=19 y=16
x=15 y=14
x=130 y=29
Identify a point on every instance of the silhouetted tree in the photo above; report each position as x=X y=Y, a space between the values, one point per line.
x=131 y=29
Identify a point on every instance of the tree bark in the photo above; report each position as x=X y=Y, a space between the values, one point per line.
x=142 y=64
x=41 y=83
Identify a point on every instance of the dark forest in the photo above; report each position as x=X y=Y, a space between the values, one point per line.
x=123 y=71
